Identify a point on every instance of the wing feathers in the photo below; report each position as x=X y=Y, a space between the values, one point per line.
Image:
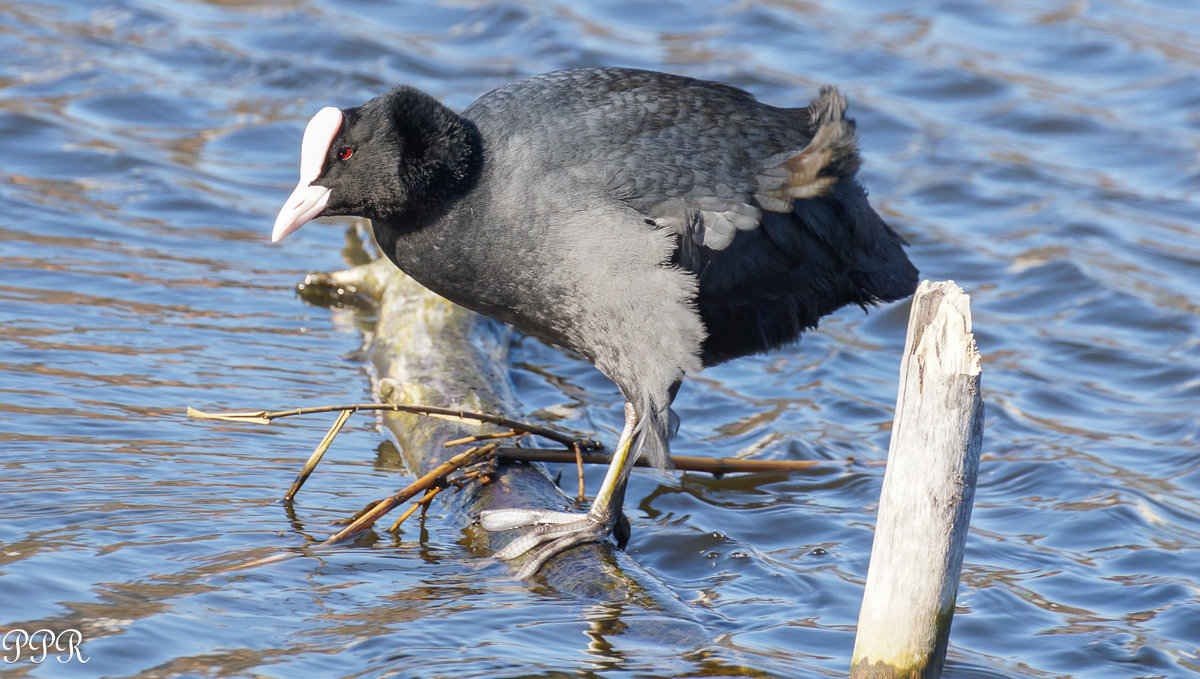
x=712 y=221
x=809 y=173
x=709 y=221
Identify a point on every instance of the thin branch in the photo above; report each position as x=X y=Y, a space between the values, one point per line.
x=424 y=483
x=451 y=414
x=682 y=463
x=317 y=454
x=484 y=437
x=577 y=451
x=422 y=503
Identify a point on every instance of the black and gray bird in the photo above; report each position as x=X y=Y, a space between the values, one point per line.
x=655 y=224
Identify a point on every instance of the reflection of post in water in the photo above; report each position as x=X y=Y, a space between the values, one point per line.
x=928 y=491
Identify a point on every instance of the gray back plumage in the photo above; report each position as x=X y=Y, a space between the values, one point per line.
x=762 y=202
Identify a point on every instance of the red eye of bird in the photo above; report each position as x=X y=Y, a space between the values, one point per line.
x=345 y=153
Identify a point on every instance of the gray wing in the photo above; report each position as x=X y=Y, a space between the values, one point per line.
x=784 y=240
x=710 y=215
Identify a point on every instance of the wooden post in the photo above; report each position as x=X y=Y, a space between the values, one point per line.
x=928 y=490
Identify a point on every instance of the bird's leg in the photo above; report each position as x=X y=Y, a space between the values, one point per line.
x=553 y=532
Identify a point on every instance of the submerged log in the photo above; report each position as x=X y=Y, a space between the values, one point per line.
x=928 y=491
x=428 y=351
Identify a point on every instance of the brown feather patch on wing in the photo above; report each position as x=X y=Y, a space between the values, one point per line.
x=809 y=173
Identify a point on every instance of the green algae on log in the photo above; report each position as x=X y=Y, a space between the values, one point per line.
x=426 y=350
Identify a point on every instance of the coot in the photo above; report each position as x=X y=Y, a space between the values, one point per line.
x=655 y=224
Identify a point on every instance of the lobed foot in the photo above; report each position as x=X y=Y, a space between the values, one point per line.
x=549 y=533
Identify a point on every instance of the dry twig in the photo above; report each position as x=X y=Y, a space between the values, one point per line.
x=451 y=414
x=435 y=476
x=317 y=454
x=715 y=466
x=438 y=479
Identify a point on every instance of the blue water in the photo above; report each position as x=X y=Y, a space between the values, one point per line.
x=1046 y=156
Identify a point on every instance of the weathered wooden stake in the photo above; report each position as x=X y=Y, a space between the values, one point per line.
x=928 y=490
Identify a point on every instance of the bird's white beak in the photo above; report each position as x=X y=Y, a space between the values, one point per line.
x=308 y=199
x=306 y=202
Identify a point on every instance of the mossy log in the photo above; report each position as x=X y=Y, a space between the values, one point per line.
x=427 y=351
